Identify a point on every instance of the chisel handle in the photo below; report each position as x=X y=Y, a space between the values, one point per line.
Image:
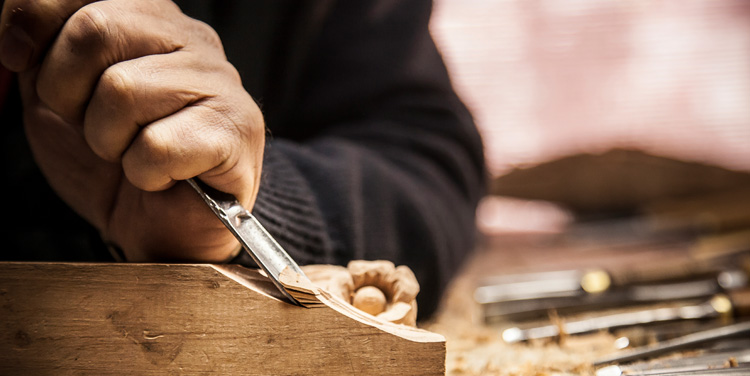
x=740 y=301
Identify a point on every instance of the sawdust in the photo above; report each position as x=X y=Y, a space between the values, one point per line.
x=475 y=348
x=731 y=362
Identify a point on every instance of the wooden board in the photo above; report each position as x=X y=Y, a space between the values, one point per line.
x=63 y=318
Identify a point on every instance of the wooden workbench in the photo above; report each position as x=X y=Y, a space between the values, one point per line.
x=157 y=319
x=476 y=348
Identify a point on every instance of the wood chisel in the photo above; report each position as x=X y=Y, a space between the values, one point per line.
x=693 y=339
x=732 y=360
x=741 y=370
x=722 y=305
x=560 y=283
x=262 y=247
x=513 y=299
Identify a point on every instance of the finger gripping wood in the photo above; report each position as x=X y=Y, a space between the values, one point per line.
x=149 y=319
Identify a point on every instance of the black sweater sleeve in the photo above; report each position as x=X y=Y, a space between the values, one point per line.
x=371 y=153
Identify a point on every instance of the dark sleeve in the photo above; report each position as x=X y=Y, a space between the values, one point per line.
x=376 y=157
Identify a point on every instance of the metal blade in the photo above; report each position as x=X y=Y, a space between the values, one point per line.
x=261 y=246
x=738 y=329
x=679 y=365
x=715 y=307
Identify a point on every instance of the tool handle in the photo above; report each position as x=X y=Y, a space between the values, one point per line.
x=740 y=301
x=660 y=273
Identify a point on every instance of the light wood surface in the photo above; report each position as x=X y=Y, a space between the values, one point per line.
x=73 y=318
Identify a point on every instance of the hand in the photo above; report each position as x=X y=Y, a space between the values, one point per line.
x=124 y=98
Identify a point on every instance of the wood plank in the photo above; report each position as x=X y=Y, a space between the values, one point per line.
x=151 y=319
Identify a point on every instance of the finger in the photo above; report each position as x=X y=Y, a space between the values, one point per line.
x=27 y=27
x=207 y=139
x=151 y=216
x=176 y=148
x=134 y=93
x=98 y=36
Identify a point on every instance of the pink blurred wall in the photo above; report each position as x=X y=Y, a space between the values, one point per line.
x=555 y=77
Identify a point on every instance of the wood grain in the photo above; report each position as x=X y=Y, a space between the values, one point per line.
x=146 y=319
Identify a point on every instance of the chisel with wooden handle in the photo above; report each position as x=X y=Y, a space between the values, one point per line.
x=680 y=343
x=522 y=299
x=733 y=360
x=733 y=302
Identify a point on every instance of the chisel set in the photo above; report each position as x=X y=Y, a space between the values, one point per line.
x=705 y=313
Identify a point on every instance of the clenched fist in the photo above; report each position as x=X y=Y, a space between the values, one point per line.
x=122 y=100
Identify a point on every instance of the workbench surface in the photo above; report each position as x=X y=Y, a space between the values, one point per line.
x=476 y=348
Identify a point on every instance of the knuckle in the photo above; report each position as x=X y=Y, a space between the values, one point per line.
x=240 y=113
x=97 y=141
x=232 y=72
x=113 y=98
x=146 y=162
x=208 y=34
x=153 y=149
x=117 y=85
x=88 y=29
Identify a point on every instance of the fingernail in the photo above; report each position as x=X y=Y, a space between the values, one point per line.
x=16 y=48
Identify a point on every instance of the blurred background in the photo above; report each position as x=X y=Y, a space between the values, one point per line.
x=550 y=79
x=617 y=136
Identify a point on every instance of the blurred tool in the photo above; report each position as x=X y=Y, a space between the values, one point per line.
x=562 y=283
x=708 y=213
x=721 y=305
x=720 y=245
x=715 y=307
x=735 y=360
x=740 y=370
x=728 y=331
x=530 y=296
x=642 y=335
